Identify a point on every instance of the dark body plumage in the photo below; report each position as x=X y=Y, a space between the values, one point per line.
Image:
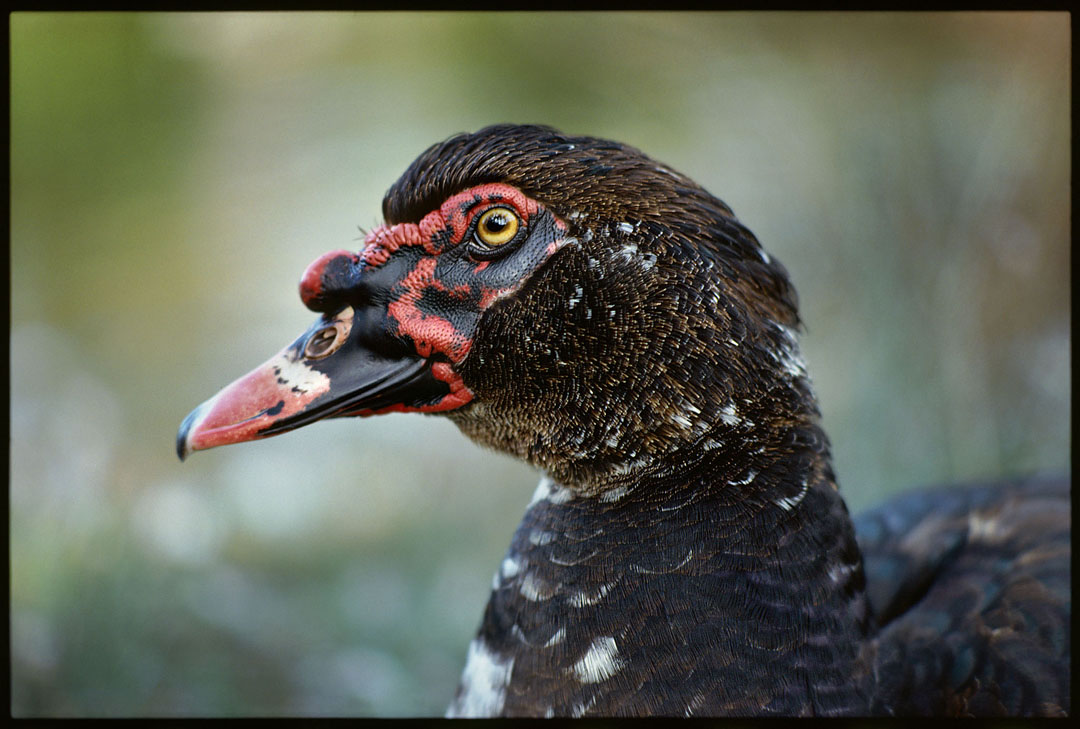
x=688 y=552
x=727 y=572
x=726 y=576
x=970 y=586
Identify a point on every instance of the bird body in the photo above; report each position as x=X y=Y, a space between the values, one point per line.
x=571 y=302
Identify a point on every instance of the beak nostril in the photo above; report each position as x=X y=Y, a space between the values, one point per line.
x=328 y=339
x=321 y=343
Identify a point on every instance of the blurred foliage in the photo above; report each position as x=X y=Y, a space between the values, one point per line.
x=171 y=176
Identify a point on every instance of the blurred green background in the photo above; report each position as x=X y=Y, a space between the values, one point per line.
x=172 y=175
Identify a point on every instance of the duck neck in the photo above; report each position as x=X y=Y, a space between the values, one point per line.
x=636 y=601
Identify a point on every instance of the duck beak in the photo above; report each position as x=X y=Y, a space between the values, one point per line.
x=343 y=365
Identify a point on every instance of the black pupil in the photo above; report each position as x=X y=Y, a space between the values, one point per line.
x=496 y=223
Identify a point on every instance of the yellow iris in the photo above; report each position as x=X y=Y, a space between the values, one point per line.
x=497 y=226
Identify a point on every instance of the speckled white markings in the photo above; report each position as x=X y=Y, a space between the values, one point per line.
x=534 y=588
x=612 y=495
x=576 y=298
x=789 y=357
x=627 y=228
x=729 y=415
x=629 y=253
x=557 y=638
x=559 y=494
x=580 y=708
x=600 y=661
x=625 y=467
x=787 y=503
x=583 y=599
x=690 y=418
x=751 y=474
x=483 y=683
x=549 y=490
x=663 y=570
x=839 y=572
x=682 y=420
x=509 y=568
x=982 y=528
x=539 y=537
x=695 y=702
x=542 y=490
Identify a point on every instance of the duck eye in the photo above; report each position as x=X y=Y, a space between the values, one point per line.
x=497 y=227
x=325 y=341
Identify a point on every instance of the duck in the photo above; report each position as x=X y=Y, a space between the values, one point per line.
x=599 y=315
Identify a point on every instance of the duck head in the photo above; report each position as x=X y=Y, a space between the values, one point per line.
x=564 y=299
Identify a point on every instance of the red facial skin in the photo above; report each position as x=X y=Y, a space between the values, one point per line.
x=434 y=287
x=437 y=232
